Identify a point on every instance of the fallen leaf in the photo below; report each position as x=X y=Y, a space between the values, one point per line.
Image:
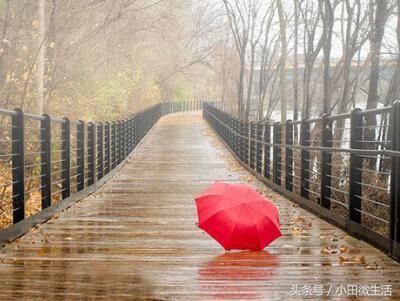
x=42 y=251
x=342 y=259
x=330 y=250
x=334 y=239
x=362 y=260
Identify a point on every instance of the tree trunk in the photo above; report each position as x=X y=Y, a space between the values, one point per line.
x=241 y=84
x=328 y=20
x=283 y=84
x=250 y=82
x=394 y=85
x=296 y=63
x=40 y=59
x=378 y=30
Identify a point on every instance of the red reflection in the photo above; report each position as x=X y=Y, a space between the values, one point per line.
x=238 y=275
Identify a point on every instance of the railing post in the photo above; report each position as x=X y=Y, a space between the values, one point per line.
x=289 y=156
x=395 y=183
x=252 y=162
x=127 y=136
x=122 y=149
x=259 y=147
x=123 y=140
x=130 y=134
x=107 y=143
x=66 y=158
x=91 y=153
x=326 y=163
x=237 y=137
x=100 y=151
x=46 y=161
x=267 y=150
x=118 y=142
x=247 y=148
x=141 y=124
x=18 y=166
x=114 y=144
x=224 y=127
x=242 y=142
x=355 y=167
x=135 y=131
x=231 y=132
x=277 y=153
x=234 y=136
x=305 y=159
x=80 y=155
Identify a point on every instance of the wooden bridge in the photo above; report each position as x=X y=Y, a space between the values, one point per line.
x=136 y=238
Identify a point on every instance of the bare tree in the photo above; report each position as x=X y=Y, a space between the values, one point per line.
x=40 y=60
x=378 y=19
x=311 y=18
x=239 y=21
x=327 y=13
x=394 y=85
x=296 y=99
x=282 y=81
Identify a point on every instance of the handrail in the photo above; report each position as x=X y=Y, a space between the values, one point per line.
x=67 y=157
x=356 y=187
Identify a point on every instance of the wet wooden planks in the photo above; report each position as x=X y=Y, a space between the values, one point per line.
x=137 y=239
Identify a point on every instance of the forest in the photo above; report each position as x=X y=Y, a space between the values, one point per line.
x=102 y=58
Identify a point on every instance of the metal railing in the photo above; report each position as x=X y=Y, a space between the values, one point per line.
x=45 y=160
x=344 y=168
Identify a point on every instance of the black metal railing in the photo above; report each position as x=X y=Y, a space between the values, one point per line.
x=343 y=168
x=44 y=160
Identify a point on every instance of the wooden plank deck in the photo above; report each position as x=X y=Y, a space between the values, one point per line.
x=137 y=238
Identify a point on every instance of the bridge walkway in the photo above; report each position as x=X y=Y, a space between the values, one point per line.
x=137 y=239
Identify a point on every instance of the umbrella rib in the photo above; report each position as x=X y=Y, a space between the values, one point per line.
x=217 y=195
x=230 y=237
x=224 y=209
x=258 y=230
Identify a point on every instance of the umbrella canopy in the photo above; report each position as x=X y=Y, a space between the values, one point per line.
x=237 y=216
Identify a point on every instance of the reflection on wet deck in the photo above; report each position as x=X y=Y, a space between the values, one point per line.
x=137 y=239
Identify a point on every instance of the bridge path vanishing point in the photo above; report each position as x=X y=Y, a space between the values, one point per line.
x=137 y=238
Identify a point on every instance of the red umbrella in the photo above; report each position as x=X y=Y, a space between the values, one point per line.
x=237 y=216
